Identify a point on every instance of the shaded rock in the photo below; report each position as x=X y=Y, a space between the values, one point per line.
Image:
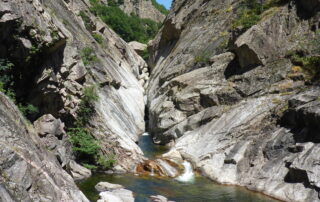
x=106 y=186
x=47 y=124
x=78 y=172
x=54 y=138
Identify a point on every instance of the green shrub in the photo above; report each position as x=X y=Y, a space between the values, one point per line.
x=28 y=110
x=307 y=55
x=87 y=21
x=83 y=143
x=202 y=57
x=129 y=27
x=250 y=12
x=98 y=38
x=88 y=56
x=106 y=162
x=6 y=78
x=145 y=55
x=85 y=146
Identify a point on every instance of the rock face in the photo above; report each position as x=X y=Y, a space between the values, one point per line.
x=53 y=49
x=138 y=47
x=28 y=171
x=143 y=9
x=233 y=103
x=54 y=138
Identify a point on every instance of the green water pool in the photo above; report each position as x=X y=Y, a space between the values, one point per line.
x=201 y=189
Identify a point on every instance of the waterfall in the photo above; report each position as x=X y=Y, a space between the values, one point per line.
x=188 y=175
x=152 y=172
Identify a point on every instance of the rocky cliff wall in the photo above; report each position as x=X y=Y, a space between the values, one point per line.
x=55 y=57
x=232 y=101
x=143 y=9
x=28 y=171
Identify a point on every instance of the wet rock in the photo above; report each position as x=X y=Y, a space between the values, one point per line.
x=106 y=186
x=158 y=167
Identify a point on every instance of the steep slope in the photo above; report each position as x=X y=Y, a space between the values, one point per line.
x=55 y=57
x=230 y=98
x=28 y=171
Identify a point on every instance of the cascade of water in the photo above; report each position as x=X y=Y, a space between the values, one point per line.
x=188 y=175
x=152 y=172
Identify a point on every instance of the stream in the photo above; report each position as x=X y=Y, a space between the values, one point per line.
x=188 y=187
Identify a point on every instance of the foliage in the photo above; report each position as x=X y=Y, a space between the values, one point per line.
x=130 y=28
x=202 y=57
x=250 y=12
x=106 y=162
x=86 y=108
x=307 y=55
x=6 y=78
x=160 y=7
x=83 y=143
x=85 y=146
x=87 y=21
x=145 y=55
x=98 y=38
x=88 y=56
x=28 y=110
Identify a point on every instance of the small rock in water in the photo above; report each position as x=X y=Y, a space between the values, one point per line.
x=159 y=198
x=118 y=195
x=106 y=186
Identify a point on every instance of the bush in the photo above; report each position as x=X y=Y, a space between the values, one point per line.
x=87 y=21
x=28 y=110
x=83 y=143
x=85 y=146
x=307 y=55
x=250 y=12
x=202 y=57
x=88 y=56
x=145 y=55
x=106 y=162
x=130 y=28
x=98 y=38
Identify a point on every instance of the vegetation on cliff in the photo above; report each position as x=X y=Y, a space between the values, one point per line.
x=7 y=87
x=85 y=146
x=250 y=12
x=129 y=27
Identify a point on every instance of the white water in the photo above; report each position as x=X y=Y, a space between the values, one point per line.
x=145 y=134
x=188 y=175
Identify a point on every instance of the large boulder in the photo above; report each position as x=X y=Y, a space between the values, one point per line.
x=138 y=47
x=118 y=195
x=52 y=134
x=106 y=186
